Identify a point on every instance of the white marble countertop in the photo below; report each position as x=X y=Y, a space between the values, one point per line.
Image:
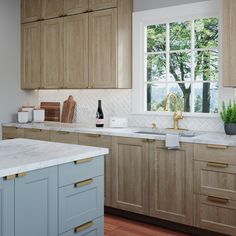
x=199 y=137
x=22 y=155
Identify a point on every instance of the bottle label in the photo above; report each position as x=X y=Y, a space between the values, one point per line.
x=99 y=121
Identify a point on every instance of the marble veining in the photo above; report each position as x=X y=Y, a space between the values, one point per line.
x=22 y=155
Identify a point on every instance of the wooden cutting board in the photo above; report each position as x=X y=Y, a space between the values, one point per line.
x=52 y=110
x=68 y=110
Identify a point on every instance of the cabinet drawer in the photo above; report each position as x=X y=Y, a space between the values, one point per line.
x=95 y=140
x=77 y=171
x=12 y=132
x=37 y=134
x=215 y=214
x=91 y=228
x=64 y=137
x=215 y=178
x=80 y=203
x=215 y=153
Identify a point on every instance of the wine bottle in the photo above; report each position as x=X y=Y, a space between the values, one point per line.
x=99 y=115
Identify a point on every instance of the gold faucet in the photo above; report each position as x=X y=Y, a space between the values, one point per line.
x=176 y=116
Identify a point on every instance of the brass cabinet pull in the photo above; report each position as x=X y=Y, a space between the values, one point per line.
x=10 y=177
x=83 y=161
x=94 y=135
x=217 y=200
x=83 y=227
x=83 y=183
x=149 y=140
x=218 y=165
x=63 y=132
x=217 y=146
x=23 y=174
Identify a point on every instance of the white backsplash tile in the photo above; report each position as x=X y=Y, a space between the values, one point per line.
x=118 y=103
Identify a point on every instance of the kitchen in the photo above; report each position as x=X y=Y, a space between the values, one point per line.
x=162 y=70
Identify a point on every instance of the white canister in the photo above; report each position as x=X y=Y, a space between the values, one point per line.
x=30 y=111
x=23 y=116
x=39 y=115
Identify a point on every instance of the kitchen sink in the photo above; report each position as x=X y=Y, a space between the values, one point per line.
x=186 y=134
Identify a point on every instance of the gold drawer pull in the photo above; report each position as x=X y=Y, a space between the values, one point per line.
x=63 y=132
x=83 y=183
x=218 y=165
x=217 y=200
x=83 y=227
x=10 y=177
x=217 y=146
x=23 y=174
x=93 y=135
x=83 y=161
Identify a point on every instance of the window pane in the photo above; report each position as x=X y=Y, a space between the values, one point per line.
x=156 y=67
x=206 y=97
x=156 y=38
x=180 y=66
x=180 y=35
x=206 y=33
x=183 y=91
x=156 y=95
x=206 y=65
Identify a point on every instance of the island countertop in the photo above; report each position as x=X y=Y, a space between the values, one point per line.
x=21 y=155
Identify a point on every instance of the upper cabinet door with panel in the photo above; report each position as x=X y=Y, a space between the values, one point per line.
x=76 y=51
x=102 y=4
x=31 y=10
x=52 y=53
x=52 y=8
x=30 y=56
x=72 y=7
x=103 y=49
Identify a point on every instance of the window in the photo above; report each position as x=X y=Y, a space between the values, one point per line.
x=182 y=58
x=178 y=49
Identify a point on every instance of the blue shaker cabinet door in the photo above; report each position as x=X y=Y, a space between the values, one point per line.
x=6 y=207
x=36 y=203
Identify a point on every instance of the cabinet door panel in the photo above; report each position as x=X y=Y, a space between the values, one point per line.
x=31 y=56
x=103 y=49
x=171 y=183
x=102 y=4
x=12 y=132
x=130 y=175
x=64 y=137
x=76 y=51
x=72 y=7
x=36 y=203
x=31 y=10
x=52 y=53
x=37 y=134
x=7 y=207
x=52 y=8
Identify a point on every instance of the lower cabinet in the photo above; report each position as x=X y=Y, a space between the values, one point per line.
x=37 y=134
x=12 y=132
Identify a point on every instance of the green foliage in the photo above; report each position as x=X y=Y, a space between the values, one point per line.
x=228 y=114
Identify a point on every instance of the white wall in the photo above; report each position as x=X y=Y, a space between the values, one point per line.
x=11 y=96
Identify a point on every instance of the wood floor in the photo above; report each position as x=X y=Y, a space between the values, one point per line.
x=117 y=226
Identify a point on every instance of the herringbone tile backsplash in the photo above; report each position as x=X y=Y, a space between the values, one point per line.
x=119 y=103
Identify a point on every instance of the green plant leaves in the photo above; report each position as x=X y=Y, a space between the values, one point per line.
x=228 y=113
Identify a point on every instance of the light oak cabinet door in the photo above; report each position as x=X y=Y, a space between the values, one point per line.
x=76 y=51
x=12 y=132
x=52 y=8
x=171 y=183
x=37 y=134
x=72 y=7
x=130 y=170
x=103 y=49
x=31 y=56
x=52 y=53
x=229 y=45
x=31 y=10
x=102 y=4
x=64 y=137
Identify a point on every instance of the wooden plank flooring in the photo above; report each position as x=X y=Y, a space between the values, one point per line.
x=117 y=226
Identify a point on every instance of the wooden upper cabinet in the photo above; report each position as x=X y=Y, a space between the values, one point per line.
x=30 y=56
x=171 y=183
x=229 y=43
x=52 y=53
x=72 y=7
x=103 y=49
x=102 y=4
x=52 y=8
x=31 y=10
x=76 y=51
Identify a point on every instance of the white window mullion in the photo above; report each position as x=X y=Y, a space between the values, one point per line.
x=167 y=56
x=192 y=66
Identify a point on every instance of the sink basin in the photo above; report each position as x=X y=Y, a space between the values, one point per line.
x=187 y=135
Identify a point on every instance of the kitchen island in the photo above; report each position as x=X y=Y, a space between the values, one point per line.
x=51 y=189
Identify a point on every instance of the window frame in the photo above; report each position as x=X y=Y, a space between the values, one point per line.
x=206 y=9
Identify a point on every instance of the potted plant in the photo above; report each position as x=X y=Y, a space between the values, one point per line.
x=228 y=115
